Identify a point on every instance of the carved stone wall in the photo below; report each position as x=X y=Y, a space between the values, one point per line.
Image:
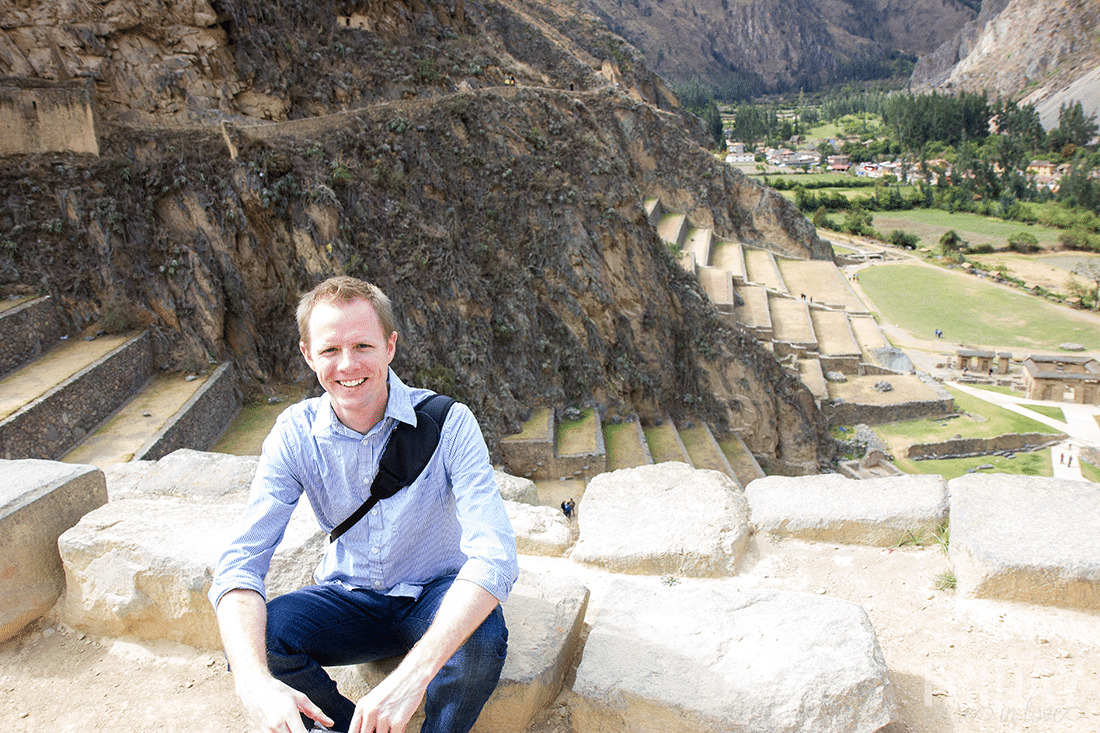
x=39 y=116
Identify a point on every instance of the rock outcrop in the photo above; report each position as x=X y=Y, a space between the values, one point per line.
x=784 y=44
x=668 y=518
x=881 y=512
x=1035 y=51
x=1026 y=539
x=39 y=500
x=507 y=222
x=699 y=660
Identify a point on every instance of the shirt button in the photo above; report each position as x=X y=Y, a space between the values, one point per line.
x=374 y=551
x=377 y=583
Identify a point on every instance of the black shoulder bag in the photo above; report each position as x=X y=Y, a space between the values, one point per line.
x=407 y=453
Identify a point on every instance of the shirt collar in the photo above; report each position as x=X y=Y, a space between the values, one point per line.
x=399 y=407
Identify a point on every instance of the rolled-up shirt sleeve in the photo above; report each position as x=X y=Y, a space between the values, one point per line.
x=274 y=494
x=487 y=539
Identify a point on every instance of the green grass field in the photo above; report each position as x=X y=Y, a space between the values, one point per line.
x=931 y=224
x=921 y=299
x=981 y=419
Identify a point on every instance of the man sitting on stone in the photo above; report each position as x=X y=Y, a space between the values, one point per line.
x=421 y=574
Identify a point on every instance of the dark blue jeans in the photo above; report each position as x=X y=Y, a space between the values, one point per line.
x=328 y=625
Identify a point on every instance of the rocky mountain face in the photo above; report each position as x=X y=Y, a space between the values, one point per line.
x=1044 y=52
x=779 y=43
x=506 y=221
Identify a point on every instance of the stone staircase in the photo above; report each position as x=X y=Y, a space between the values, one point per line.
x=805 y=311
x=98 y=400
x=551 y=447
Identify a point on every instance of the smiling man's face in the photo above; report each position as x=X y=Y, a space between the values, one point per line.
x=349 y=352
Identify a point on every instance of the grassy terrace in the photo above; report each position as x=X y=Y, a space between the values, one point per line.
x=979 y=419
x=921 y=299
x=931 y=224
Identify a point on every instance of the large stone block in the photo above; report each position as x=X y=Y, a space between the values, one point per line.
x=707 y=660
x=142 y=567
x=185 y=474
x=1026 y=538
x=880 y=512
x=38 y=501
x=540 y=530
x=667 y=518
x=545 y=615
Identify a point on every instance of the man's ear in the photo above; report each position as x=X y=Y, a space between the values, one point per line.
x=391 y=345
x=305 y=353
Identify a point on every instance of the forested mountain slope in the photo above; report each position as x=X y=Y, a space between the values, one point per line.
x=757 y=45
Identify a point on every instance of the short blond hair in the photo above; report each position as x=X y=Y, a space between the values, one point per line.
x=344 y=288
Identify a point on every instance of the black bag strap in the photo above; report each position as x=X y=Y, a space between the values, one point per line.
x=406 y=455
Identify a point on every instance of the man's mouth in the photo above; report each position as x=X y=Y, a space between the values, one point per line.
x=353 y=383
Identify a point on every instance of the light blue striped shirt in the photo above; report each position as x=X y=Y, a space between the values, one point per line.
x=450 y=520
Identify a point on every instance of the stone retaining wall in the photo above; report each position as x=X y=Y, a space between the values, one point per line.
x=850 y=413
x=26 y=331
x=55 y=422
x=966 y=447
x=202 y=419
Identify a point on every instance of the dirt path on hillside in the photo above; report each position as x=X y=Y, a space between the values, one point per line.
x=957 y=666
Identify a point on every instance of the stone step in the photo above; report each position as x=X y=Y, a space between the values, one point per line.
x=705 y=451
x=730 y=256
x=672 y=228
x=760 y=268
x=665 y=443
x=754 y=314
x=718 y=285
x=742 y=461
x=652 y=207
x=835 y=337
x=69 y=392
x=121 y=437
x=821 y=281
x=626 y=445
x=792 y=327
x=28 y=328
x=812 y=375
x=578 y=446
x=60 y=363
x=699 y=242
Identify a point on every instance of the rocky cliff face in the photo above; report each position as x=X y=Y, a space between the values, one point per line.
x=1021 y=49
x=506 y=221
x=781 y=43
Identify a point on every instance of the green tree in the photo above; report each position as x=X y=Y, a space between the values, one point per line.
x=902 y=239
x=1023 y=242
x=859 y=221
x=713 y=118
x=951 y=243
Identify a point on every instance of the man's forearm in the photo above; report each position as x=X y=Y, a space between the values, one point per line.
x=465 y=606
x=391 y=704
x=242 y=620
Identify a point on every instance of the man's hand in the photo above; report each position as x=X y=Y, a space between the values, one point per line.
x=389 y=706
x=273 y=707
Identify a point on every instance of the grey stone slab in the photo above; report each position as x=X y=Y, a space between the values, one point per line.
x=38 y=501
x=667 y=518
x=142 y=567
x=699 y=659
x=880 y=512
x=545 y=616
x=1025 y=538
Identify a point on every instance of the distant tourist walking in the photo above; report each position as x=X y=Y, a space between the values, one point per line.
x=567 y=508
